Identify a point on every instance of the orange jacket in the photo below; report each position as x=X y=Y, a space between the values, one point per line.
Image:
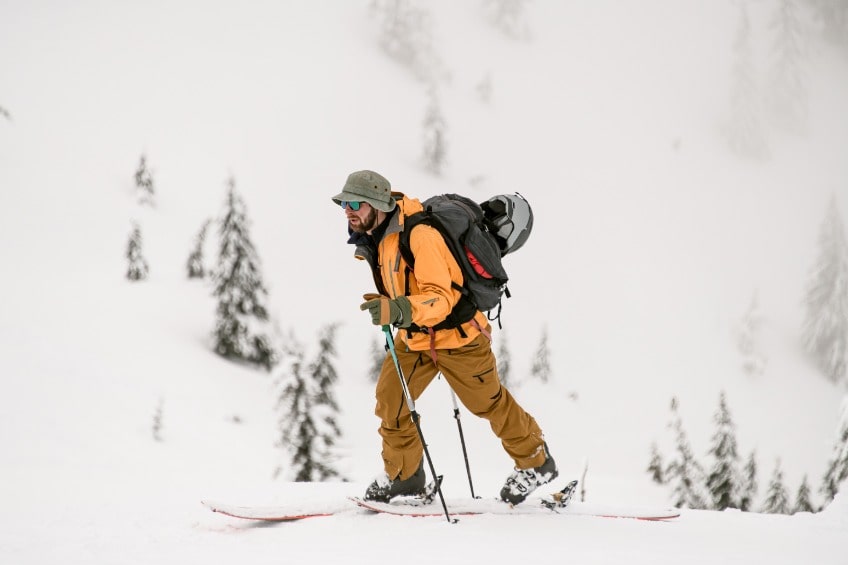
x=430 y=291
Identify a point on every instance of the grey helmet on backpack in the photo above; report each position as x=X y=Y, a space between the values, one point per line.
x=510 y=218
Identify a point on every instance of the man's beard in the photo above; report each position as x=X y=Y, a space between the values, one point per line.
x=367 y=224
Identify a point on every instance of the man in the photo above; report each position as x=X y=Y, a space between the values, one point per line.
x=416 y=302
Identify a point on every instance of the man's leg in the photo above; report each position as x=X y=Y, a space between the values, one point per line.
x=472 y=373
x=402 y=449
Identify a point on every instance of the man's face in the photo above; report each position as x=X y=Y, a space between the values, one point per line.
x=362 y=220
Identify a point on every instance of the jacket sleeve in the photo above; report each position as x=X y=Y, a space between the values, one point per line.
x=435 y=270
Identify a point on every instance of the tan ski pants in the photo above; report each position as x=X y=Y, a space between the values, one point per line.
x=472 y=374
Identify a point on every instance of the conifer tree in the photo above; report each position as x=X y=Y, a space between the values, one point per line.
x=825 y=330
x=504 y=361
x=137 y=268
x=787 y=97
x=144 y=182
x=5 y=113
x=406 y=35
x=323 y=374
x=777 y=499
x=744 y=130
x=837 y=467
x=684 y=473
x=508 y=17
x=307 y=408
x=833 y=15
x=242 y=318
x=541 y=368
x=753 y=362
x=377 y=357
x=433 y=136
x=802 y=499
x=749 y=485
x=724 y=479
x=194 y=265
x=656 y=467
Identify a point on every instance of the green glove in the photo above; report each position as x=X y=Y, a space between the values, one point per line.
x=385 y=310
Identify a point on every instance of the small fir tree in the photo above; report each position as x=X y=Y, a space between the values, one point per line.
x=5 y=113
x=242 y=318
x=777 y=499
x=508 y=17
x=684 y=474
x=833 y=15
x=656 y=467
x=749 y=484
x=753 y=361
x=837 y=467
x=802 y=499
x=825 y=330
x=307 y=408
x=406 y=35
x=484 y=89
x=433 y=137
x=541 y=368
x=787 y=97
x=377 y=357
x=724 y=479
x=744 y=130
x=194 y=265
x=137 y=269
x=144 y=182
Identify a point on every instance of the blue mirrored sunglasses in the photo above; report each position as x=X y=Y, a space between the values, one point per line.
x=353 y=205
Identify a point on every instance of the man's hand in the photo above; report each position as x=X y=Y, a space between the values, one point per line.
x=385 y=310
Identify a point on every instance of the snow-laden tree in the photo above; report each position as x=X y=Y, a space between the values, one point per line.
x=504 y=361
x=753 y=360
x=833 y=16
x=825 y=330
x=433 y=137
x=684 y=474
x=744 y=129
x=750 y=486
x=377 y=355
x=406 y=35
x=802 y=498
x=541 y=367
x=144 y=182
x=777 y=499
x=724 y=481
x=787 y=96
x=194 y=265
x=137 y=269
x=241 y=326
x=308 y=411
x=484 y=89
x=508 y=16
x=5 y=113
x=837 y=468
x=656 y=467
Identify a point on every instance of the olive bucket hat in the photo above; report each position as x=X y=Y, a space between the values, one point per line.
x=367 y=186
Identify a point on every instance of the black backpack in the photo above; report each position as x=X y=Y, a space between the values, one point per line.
x=471 y=233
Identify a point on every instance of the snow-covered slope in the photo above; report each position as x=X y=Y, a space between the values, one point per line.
x=650 y=240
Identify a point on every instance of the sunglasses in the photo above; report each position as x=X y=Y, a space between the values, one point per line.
x=353 y=205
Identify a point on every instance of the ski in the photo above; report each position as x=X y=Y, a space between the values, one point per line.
x=276 y=513
x=557 y=503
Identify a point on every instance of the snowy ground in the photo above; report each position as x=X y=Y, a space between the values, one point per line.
x=650 y=240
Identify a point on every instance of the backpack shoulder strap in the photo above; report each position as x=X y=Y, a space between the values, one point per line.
x=409 y=223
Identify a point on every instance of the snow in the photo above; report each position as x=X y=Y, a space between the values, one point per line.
x=649 y=242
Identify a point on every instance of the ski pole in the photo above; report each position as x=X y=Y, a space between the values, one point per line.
x=410 y=403
x=462 y=440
